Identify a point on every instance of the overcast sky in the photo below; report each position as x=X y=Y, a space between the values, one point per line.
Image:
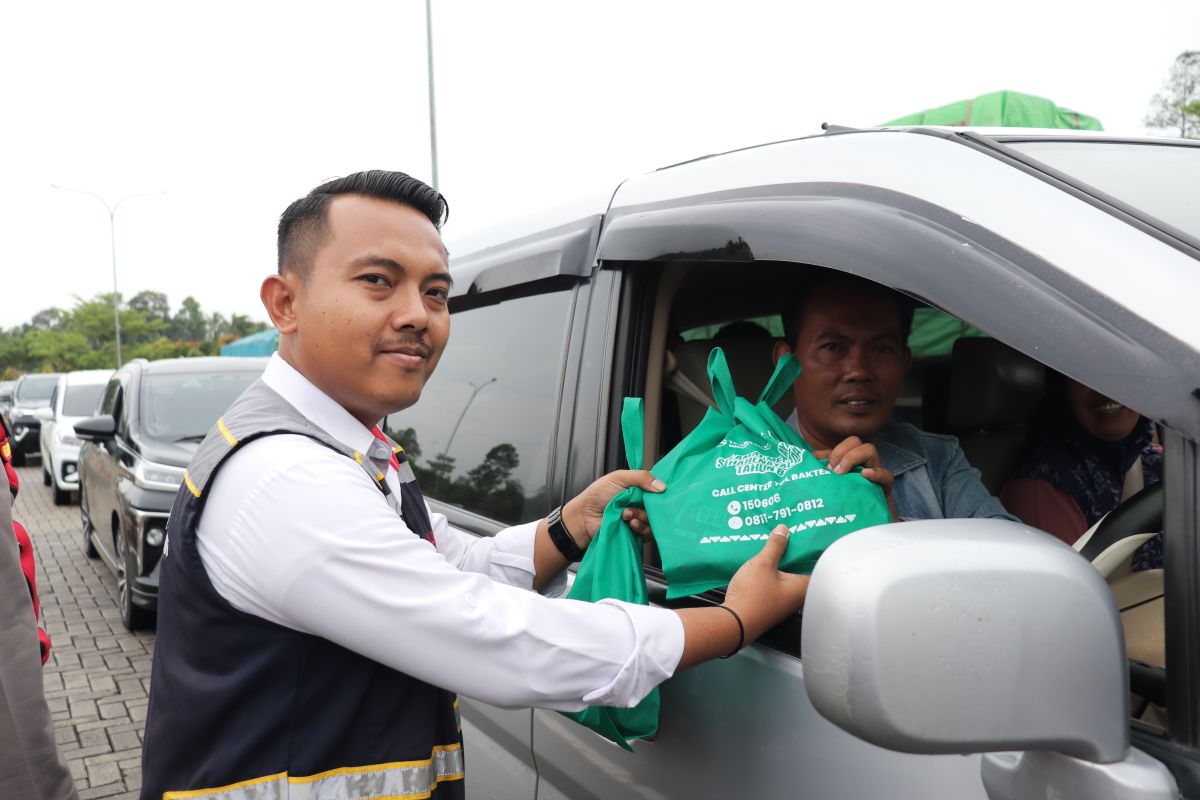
x=237 y=108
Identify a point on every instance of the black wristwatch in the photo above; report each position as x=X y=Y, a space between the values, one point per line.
x=564 y=541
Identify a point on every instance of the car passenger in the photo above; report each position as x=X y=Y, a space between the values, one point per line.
x=850 y=336
x=1087 y=451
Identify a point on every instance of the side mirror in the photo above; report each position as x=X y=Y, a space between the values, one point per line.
x=96 y=429
x=45 y=414
x=966 y=636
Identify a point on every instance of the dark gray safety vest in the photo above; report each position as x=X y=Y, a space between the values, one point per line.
x=244 y=709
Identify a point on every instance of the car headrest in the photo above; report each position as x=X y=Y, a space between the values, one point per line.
x=991 y=386
x=750 y=366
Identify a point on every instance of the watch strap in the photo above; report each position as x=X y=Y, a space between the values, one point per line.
x=563 y=540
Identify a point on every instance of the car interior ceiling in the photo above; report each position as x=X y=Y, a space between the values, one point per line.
x=984 y=392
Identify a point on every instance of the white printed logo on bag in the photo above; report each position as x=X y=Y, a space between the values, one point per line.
x=787 y=457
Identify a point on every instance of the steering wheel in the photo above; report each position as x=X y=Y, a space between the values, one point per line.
x=1142 y=513
x=1116 y=537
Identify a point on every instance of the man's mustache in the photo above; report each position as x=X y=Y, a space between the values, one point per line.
x=413 y=344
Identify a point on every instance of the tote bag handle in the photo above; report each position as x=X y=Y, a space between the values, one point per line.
x=632 y=431
x=786 y=372
x=722 y=382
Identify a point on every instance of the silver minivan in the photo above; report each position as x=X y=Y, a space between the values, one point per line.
x=934 y=659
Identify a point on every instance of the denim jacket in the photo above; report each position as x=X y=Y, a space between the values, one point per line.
x=933 y=478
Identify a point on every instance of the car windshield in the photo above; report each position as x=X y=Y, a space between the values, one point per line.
x=183 y=406
x=1159 y=179
x=81 y=401
x=36 y=390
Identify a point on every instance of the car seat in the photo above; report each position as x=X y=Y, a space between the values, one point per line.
x=993 y=393
x=748 y=353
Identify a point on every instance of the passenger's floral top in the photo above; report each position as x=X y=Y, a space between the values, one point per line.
x=1092 y=473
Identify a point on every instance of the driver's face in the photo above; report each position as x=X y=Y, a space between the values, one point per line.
x=854 y=359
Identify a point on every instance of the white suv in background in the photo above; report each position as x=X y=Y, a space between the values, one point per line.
x=76 y=397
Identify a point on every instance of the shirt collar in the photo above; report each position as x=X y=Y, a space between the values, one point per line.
x=320 y=409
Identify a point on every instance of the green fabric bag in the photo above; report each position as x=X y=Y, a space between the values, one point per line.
x=612 y=568
x=737 y=475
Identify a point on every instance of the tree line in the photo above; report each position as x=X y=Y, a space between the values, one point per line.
x=1177 y=106
x=84 y=337
x=488 y=488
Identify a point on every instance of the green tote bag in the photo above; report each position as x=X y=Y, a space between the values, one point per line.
x=737 y=475
x=612 y=568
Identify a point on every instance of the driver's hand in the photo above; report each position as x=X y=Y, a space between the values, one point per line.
x=853 y=452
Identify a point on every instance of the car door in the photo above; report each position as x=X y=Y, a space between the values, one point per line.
x=482 y=439
x=745 y=727
x=102 y=469
x=46 y=435
x=736 y=727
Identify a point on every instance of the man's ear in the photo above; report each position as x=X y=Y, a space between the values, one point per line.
x=279 y=296
x=780 y=350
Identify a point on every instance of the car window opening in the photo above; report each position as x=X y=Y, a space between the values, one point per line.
x=993 y=398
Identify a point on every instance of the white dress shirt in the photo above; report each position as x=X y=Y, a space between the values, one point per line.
x=299 y=535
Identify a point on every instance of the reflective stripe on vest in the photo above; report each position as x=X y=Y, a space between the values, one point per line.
x=402 y=780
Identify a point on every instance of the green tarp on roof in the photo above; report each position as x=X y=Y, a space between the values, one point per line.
x=934 y=333
x=1002 y=109
x=262 y=343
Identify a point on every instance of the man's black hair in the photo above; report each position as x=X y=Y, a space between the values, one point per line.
x=796 y=295
x=304 y=224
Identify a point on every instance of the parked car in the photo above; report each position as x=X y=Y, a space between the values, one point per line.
x=76 y=397
x=6 y=397
x=31 y=393
x=152 y=417
x=1077 y=252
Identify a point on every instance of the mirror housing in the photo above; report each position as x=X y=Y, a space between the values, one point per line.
x=966 y=636
x=44 y=414
x=96 y=429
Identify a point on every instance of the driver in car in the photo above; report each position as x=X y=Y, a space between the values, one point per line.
x=850 y=336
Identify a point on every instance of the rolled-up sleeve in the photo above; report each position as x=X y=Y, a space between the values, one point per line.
x=654 y=655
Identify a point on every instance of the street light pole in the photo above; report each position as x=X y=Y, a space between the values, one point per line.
x=112 y=237
x=432 y=114
x=477 y=389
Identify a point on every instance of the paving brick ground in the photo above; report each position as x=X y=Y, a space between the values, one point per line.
x=98 y=674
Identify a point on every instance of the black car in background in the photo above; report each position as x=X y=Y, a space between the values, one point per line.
x=153 y=416
x=31 y=392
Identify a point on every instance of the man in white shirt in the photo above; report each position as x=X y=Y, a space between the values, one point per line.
x=315 y=620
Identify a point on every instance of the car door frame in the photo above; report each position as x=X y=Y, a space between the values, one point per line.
x=556 y=259
x=46 y=433
x=105 y=469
